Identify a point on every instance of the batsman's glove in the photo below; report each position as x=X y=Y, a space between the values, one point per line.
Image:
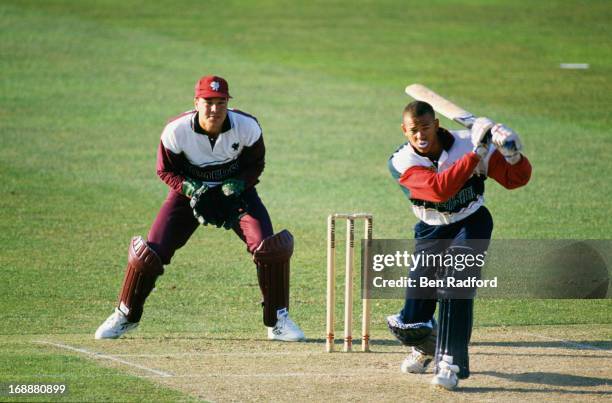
x=481 y=136
x=507 y=143
x=211 y=206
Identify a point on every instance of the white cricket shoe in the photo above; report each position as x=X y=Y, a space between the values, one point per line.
x=285 y=329
x=114 y=326
x=416 y=362
x=447 y=374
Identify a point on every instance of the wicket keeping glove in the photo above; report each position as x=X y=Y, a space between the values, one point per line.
x=507 y=143
x=481 y=136
x=234 y=208
x=205 y=204
x=190 y=186
x=211 y=206
x=233 y=202
x=233 y=187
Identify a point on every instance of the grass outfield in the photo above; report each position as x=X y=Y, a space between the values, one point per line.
x=87 y=86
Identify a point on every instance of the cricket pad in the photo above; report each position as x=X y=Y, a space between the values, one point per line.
x=411 y=334
x=272 y=258
x=428 y=346
x=455 y=321
x=143 y=268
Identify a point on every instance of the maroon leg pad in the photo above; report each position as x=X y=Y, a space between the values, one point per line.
x=143 y=268
x=272 y=258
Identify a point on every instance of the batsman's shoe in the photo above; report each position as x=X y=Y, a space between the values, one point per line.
x=447 y=374
x=416 y=362
x=285 y=329
x=114 y=326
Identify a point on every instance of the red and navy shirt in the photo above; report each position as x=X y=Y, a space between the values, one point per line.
x=185 y=151
x=451 y=188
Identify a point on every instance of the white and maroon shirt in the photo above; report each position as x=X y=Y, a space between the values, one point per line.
x=185 y=151
x=450 y=189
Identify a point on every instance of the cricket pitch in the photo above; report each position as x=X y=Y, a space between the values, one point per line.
x=570 y=363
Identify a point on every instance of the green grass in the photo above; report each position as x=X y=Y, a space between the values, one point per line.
x=30 y=363
x=87 y=86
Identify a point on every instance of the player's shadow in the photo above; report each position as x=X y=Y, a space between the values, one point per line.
x=357 y=341
x=591 y=345
x=338 y=344
x=585 y=393
x=553 y=382
x=550 y=354
x=551 y=379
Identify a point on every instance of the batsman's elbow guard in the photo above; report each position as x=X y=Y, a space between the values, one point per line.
x=272 y=258
x=410 y=334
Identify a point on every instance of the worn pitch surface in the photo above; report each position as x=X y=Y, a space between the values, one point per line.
x=513 y=363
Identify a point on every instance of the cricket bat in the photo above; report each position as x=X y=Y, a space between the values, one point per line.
x=444 y=107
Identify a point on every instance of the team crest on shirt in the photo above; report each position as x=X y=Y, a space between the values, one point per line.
x=215 y=86
x=235 y=146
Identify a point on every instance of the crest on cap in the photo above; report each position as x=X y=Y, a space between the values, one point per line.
x=211 y=87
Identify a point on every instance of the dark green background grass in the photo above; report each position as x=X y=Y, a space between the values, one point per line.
x=87 y=86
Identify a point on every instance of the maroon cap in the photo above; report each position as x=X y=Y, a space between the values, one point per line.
x=212 y=87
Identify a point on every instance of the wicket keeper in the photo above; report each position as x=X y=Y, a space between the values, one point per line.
x=443 y=174
x=211 y=158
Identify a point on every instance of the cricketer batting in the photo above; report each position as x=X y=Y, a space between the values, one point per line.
x=443 y=174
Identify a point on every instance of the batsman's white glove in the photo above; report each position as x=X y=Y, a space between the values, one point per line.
x=507 y=143
x=481 y=138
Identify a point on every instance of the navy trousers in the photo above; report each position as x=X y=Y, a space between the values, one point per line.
x=478 y=225
x=455 y=318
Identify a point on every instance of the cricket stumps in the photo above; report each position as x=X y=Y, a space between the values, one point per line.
x=348 y=281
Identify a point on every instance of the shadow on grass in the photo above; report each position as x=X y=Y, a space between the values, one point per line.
x=544 y=378
x=357 y=342
x=556 y=355
x=467 y=389
x=566 y=344
x=551 y=378
x=209 y=338
x=374 y=343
